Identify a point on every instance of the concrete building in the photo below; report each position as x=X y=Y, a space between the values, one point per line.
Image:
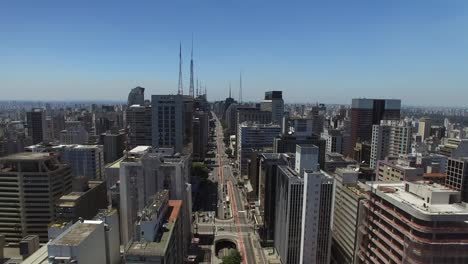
x=390 y=139
x=201 y=131
x=250 y=114
x=144 y=172
x=287 y=144
x=368 y=112
x=171 y=121
x=412 y=222
x=162 y=240
x=74 y=135
x=304 y=210
x=139 y=125
x=90 y=241
x=274 y=103
x=231 y=118
x=114 y=144
x=253 y=136
x=348 y=194
x=457 y=176
x=424 y=128
x=455 y=148
x=70 y=207
x=84 y=160
x=36 y=125
x=394 y=170
x=268 y=174
x=136 y=96
x=335 y=160
x=334 y=139
x=30 y=184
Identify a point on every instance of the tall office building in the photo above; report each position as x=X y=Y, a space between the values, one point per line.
x=368 y=112
x=424 y=128
x=390 y=138
x=75 y=133
x=412 y=222
x=201 y=130
x=145 y=171
x=274 y=103
x=139 y=119
x=114 y=144
x=136 y=96
x=85 y=204
x=317 y=115
x=334 y=139
x=348 y=194
x=250 y=114
x=30 y=184
x=36 y=124
x=304 y=210
x=267 y=181
x=253 y=136
x=84 y=160
x=288 y=143
x=171 y=121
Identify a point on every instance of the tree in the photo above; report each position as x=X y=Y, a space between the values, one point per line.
x=233 y=258
x=200 y=169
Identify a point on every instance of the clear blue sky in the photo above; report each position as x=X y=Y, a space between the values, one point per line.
x=327 y=51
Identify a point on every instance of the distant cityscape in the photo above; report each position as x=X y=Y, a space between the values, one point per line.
x=178 y=179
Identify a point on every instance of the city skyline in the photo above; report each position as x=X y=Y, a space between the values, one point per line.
x=82 y=51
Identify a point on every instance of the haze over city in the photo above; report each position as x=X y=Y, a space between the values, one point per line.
x=317 y=52
x=234 y=132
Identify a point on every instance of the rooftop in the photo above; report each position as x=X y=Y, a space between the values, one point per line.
x=78 y=233
x=26 y=156
x=140 y=150
x=151 y=248
x=396 y=192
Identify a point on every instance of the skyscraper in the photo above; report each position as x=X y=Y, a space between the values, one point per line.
x=251 y=137
x=136 y=96
x=304 y=202
x=424 y=129
x=139 y=119
x=171 y=121
x=368 y=112
x=30 y=183
x=36 y=124
x=274 y=103
x=390 y=138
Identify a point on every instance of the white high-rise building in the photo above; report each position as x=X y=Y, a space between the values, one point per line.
x=304 y=210
x=144 y=172
x=390 y=138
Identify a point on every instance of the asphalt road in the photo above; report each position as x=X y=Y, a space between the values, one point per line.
x=239 y=224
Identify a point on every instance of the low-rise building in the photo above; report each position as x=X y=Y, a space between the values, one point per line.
x=392 y=170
